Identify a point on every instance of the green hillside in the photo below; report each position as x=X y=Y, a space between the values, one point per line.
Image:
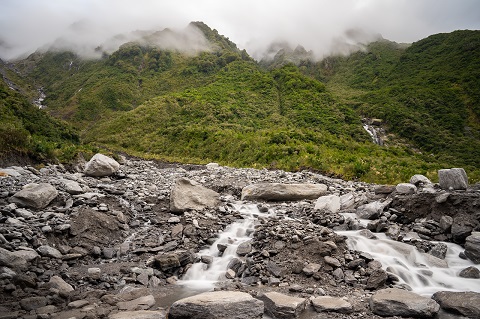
x=28 y=132
x=220 y=105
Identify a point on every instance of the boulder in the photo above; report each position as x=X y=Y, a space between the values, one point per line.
x=372 y=210
x=32 y=303
x=470 y=272
x=329 y=203
x=59 y=284
x=141 y=303
x=140 y=314
x=101 y=165
x=48 y=251
x=377 y=279
x=454 y=178
x=399 y=302
x=406 y=189
x=472 y=247
x=72 y=187
x=283 y=192
x=11 y=260
x=190 y=195
x=465 y=303
x=279 y=305
x=35 y=195
x=333 y=304
x=418 y=179
x=217 y=304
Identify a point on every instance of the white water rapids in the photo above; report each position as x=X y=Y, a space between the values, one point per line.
x=201 y=275
x=423 y=273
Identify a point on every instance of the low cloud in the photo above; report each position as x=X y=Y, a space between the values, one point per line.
x=321 y=26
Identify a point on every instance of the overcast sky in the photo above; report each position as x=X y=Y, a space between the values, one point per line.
x=26 y=25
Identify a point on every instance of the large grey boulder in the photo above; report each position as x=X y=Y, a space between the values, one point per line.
x=190 y=195
x=472 y=247
x=399 y=302
x=465 y=303
x=283 y=192
x=11 y=260
x=453 y=178
x=329 y=203
x=372 y=210
x=406 y=189
x=35 y=195
x=101 y=165
x=217 y=304
x=279 y=305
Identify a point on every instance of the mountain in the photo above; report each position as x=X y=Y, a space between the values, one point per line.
x=195 y=97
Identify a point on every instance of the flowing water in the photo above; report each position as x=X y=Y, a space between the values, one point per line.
x=202 y=275
x=424 y=274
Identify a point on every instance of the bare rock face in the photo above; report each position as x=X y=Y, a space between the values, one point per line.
x=35 y=195
x=190 y=195
x=283 y=306
x=101 y=165
x=217 y=304
x=465 y=303
x=454 y=178
x=399 y=302
x=283 y=192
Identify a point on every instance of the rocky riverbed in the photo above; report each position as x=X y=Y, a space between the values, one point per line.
x=114 y=239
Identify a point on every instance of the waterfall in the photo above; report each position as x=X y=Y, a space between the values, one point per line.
x=202 y=275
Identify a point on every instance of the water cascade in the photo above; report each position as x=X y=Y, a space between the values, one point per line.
x=202 y=275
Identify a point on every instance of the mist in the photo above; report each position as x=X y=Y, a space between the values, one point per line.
x=321 y=26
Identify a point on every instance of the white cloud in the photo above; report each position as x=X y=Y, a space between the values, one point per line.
x=26 y=25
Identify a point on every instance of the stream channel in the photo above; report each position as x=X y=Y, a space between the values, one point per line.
x=422 y=273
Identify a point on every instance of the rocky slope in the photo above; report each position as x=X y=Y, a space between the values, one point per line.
x=109 y=240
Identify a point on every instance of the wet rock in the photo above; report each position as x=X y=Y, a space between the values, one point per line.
x=332 y=304
x=461 y=229
x=189 y=195
x=454 y=179
x=398 y=302
x=470 y=272
x=377 y=279
x=217 y=304
x=472 y=247
x=101 y=165
x=140 y=314
x=283 y=192
x=406 y=189
x=35 y=195
x=329 y=203
x=439 y=250
x=465 y=303
x=279 y=305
